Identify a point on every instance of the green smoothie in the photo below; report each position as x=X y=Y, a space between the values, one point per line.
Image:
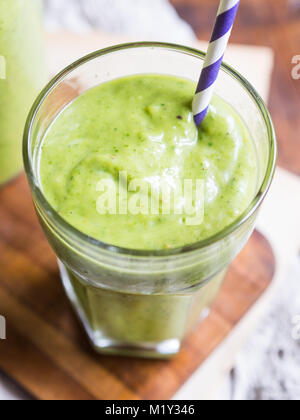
x=22 y=75
x=143 y=125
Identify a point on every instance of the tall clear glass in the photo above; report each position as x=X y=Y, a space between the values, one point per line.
x=22 y=75
x=137 y=302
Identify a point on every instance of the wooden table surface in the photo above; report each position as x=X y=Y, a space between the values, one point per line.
x=275 y=23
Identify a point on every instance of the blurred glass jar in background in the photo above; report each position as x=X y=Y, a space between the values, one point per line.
x=22 y=75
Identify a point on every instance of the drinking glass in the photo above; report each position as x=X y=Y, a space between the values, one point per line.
x=131 y=302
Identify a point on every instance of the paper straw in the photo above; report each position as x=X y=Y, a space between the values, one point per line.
x=215 y=54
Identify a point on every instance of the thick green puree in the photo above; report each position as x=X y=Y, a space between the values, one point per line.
x=144 y=125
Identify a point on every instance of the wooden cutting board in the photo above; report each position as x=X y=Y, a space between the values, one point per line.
x=46 y=351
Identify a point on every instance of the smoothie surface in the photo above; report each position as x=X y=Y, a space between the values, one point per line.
x=143 y=125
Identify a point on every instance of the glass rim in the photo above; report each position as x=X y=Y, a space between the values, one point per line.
x=102 y=246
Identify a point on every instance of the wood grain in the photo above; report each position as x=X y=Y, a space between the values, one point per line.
x=274 y=23
x=46 y=351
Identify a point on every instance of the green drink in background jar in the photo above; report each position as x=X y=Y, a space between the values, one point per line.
x=22 y=74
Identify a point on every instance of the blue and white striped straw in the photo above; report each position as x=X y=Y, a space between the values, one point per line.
x=215 y=54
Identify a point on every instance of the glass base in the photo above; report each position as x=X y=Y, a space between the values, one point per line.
x=103 y=345
x=169 y=338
